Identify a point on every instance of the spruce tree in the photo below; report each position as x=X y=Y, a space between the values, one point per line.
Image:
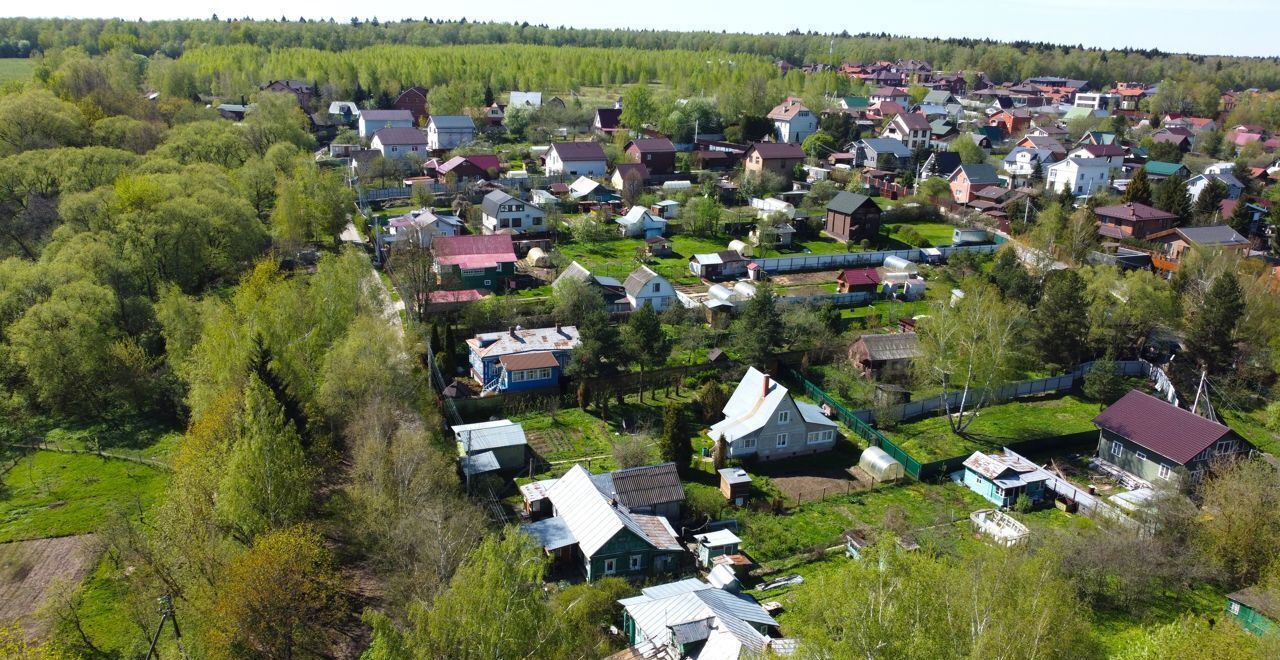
x=1139 y=190
x=1102 y=383
x=759 y=331
x=675 y=446
x=1211 y=336
x=1241 y=219
x=1060 y=321
x=1210 y=199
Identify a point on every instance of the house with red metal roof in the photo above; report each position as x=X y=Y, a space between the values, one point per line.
x=855 y=280
x=575 y=159
x=1133 y=220
x=657 y=154
x=1155 y=441
x=475 y=262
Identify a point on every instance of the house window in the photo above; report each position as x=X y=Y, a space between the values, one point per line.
x=748 y=443
x=784 y=417
x=657 y=287
x=1233 y=607
x=818 y=437
x=1225 y=447
x=782 y=440
x=1117 y=449
x=1141 y=455
x=472 y=272
x=636 y=562
x=610 y=566
x=1164 y=471
x=537 y=221
x=488 y=282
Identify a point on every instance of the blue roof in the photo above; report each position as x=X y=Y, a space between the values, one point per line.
x=885 y=145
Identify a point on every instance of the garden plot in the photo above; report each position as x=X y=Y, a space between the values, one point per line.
x=29 y=568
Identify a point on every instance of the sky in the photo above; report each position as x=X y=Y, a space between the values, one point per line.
x=1231 y=27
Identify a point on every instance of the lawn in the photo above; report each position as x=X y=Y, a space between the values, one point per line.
x=931 y=438
x=16 y=68
x=1252 y=427
x=49 y=494
x=937 y=233
x=617 y=257
x=1119 y=630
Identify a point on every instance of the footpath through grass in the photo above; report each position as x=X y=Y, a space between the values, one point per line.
x=931 y=438
x=46 y=494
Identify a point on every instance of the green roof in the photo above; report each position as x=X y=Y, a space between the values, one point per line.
x=1100 y=137
x=1161 y=168
x=1077 y=113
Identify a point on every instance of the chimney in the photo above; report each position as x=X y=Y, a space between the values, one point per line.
x=766 y=386
x=513 y=332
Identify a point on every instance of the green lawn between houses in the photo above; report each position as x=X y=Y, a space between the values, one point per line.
x=931 y=439
x=16 y=68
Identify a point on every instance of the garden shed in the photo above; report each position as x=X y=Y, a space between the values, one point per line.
x=880 y=465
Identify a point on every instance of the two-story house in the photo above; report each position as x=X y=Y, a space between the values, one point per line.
x=449 y=131
x=967 y=180
x=792 y=121
x=658 y=155
x=502 y=213
x=852 y=217
x=645 y=287
x=1132 y=220
x=372 y=121
x=575 y=159
x=909 y=128
x=1080 y=176
x=413 y=99
x=779 y=158
x=890 y=94
x=1155 y=441
x=397 y=143
x=762 y=421
x=521 y=358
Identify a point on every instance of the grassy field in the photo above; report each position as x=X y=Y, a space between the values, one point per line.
x=48 y=494
x=931 y=438
x=937 y=233
x=617 y=258
x=16 y=69
x=1252 y=427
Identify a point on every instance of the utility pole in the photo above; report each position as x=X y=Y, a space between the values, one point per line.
x=167 y=613
x=1203 y=392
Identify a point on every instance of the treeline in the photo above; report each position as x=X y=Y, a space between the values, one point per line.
x=21 y=37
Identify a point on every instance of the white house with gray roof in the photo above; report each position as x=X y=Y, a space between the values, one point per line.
x=646 y=287
x=640 y=223
x=449 y=131
x=372 y=121
x=762 y=420
x=693 y=619
x=500 y=213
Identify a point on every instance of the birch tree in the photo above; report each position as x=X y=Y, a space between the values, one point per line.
x=970 y=349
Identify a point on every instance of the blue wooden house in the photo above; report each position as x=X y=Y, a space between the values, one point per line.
x=1003 y=478
x=519 y=360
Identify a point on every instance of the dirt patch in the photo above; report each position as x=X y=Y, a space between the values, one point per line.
x=817 y=483
x=805 y=279
x=28 y=568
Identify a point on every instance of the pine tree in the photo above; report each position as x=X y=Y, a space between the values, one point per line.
x=1103 y=384
x=1060 y=321
x=1171 y=195
x=644 y=342
x=1241 y=218
x=267 y=483
x=1210 y=198
x=1211 y=337
x=1139 y=190
x=759 y=331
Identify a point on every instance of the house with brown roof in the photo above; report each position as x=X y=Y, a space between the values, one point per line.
x=1013 y=120
x=607 y=120
x=575 y=159
x=792 y=121
x=301 y=90
x=885 y=356
x=1155 y=441
x=779 y=158
x=890 y=94
x=657 y=154
x=1132 y=220
x=909 y=128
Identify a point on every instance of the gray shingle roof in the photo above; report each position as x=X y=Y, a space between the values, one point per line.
x=896 y=346
x=648 y=485
x=1215 y=235
x=847 y=202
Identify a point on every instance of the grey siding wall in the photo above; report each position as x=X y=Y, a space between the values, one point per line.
x=1147 y=468
x=767 y=448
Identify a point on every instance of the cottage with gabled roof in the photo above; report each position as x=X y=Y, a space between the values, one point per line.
x=763 y=421
x=521 y=359
x=1153 y=440
x=1158 y=170
x=910 y=128
x=1256 y=609
x=1132 y=220
x=414 y=100
x=693 y=619
x=885 y=356
x=646 y=287
x=575 y=159
x=657 y=154
x=781 y=159
x=397 y=143
x=1003 y=478
x=792 y=121
x=607 y=120
x=640 y=223
x=449 y=131
x=1080 y=176
x=600 y=535
x=503 y=440
x=723 y=265
x=852 y=217
x=475 y=262
x=967 y=180
x=372 y=121
x=503 y=214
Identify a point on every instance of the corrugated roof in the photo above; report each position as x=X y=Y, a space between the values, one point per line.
x=484 y=436
x=718 y=538
x=1219 y=235
x=653 y=145
x=895 y=346
x=479 y=463
x=847 y=203
x=523 y=340
x=550 y=533
x=772 y=150
x=532 y=360
x=578 y=151
x=594 y=521
x=452 y=122
x=1160 y=427
x=648 y=485
x=638 y=279
x=735 y=476
x=1264 y=602
x=473 y=249
x=659 y=609
x=400 y=135
x=386 y=115
x=1133 y=212
x=859 y=277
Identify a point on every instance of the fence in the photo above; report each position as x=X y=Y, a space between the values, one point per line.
x=838 y=299
x=856 y=422
x=812 y=262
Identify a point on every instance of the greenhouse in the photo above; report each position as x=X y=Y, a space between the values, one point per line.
x=879 y=465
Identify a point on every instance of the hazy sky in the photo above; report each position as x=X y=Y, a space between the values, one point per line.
x=1237 y=27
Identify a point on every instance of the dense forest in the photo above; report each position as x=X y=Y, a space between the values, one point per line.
x=22 y=37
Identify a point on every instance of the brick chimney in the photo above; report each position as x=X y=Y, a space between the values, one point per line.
x=765 y=391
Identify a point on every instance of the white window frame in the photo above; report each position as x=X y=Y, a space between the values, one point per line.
x=1233 y=607
x=781 y=440
x=819 y=437
x=1224 y=447
x=637 y=561
x=610 y=566
x=1140 y=455
x=1164 y=472
x=1117 y=449
x=784 y=417
x=748 y=443
x=471 y=272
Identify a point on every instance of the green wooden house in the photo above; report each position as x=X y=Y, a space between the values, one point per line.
x=1255 y=610
x=475 y=262
x=600 y=536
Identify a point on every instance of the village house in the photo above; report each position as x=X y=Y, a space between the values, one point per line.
x=911 y=129
x=1023 y=163
x=575 y=159
x=658 y=155
x=372 y=121
x=1132 y=220
x=414 y=100
x=1197 y=183
x=528 y=100
x=723 y=265
x=615 y=296
x=606 y=121
x=1152 y=440
x=1113 y=154
x=763 y=422
x=494 y=446
x=781 y=159
x=889 y=94
x=885 y=357
x=521 y=359
x=967 y=180
x=778 y=233
x=940 y=164
x=693 y=619
x=475 y=262
x=1158 y=170
x=1256 y=609
x=449 y=131
x=793 y=122
x=852 y=217
x=632 y=175
x=503 y=214
x=654 y=490
x=423 y=225
x=1044 y=142
x=858 y=280
x=300 y=90
x=881 y=153
x=1013 y=121
x=666 y=209
x=1003 y=478
x=596 y=535
x=640 y=223
x=464 y=168
x=646 y=287
x=1218 y=237
x=398 y=143
x=1080 y=176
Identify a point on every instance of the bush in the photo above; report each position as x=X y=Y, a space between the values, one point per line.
x=1022 y=504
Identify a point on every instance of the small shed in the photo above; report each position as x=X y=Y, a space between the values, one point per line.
x=879 y=465
x=658 y=246
x=969 y=236
x=723 y=577
x=717 y=355
x=504 y=438
x=538 y=258
x=735 y=483
x=667 y=208
x=715 y=544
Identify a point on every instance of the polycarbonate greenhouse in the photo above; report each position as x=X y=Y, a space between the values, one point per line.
x=879 y=465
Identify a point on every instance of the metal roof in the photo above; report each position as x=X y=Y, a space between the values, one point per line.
x=751 y=406
x=531 y=360
x=479 y=463
x=400 y=135
x=659 y=609
x=594 y=520
x=550 y=533
x=847 y=202
x=1160 y=427
x=895 y=346
x=638 y=279
x=812 y=414
x=484 y=436
x=648 y=485
x=521 y=340
x=734 y=476
x=718 y=538
x=449 y=122
x=1215 y=235
x=474 y=251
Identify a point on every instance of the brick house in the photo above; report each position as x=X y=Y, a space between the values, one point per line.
x=1132 y=220
x=967 y=180
x=656 y=154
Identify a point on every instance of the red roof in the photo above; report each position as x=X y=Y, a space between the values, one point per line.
x=914 y=121
x=769 y=150
x=859 y=277
x=1160 y=427
x=533 y=360
x=1133 y=212
x=474 y=251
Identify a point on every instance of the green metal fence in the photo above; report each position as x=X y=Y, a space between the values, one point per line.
x=872 y=436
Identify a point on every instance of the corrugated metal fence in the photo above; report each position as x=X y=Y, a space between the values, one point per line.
x=811 y=262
